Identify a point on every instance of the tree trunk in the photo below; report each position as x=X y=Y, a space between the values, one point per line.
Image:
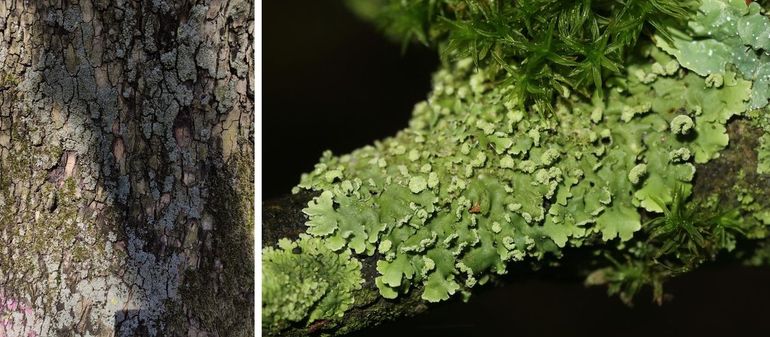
x=720 y=178
x=126 y=168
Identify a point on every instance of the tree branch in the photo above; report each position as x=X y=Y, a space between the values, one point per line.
x=721 y=178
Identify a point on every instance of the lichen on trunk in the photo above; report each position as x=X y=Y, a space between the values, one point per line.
x=123 y=126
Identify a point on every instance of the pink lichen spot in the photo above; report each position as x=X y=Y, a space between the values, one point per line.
x=9 y=307
x=4 y=325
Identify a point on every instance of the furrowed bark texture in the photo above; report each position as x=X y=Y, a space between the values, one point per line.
x=126 y=168
x=733 y=173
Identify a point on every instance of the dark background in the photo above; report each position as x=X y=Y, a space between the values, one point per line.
x=332 y=82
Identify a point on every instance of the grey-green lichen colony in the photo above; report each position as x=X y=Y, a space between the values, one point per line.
x=308 y=280
x=475 y=182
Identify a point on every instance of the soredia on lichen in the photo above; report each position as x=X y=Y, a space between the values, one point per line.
x=303 y=281
x=682 y=125
x=637 y=173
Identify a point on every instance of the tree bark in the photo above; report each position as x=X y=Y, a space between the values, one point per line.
x=734 y=172
x=126 y=168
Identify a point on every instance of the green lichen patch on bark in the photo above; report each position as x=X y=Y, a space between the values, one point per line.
x=474 y=182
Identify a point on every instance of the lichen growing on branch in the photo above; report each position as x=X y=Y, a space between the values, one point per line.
x=484 y=176
x=308 y=280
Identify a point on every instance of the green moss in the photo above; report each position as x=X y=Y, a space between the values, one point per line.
x=245 y=185
x=547 y=47
x=303 y=281
x=8 y=80
x=688 y=234
x=35 y=209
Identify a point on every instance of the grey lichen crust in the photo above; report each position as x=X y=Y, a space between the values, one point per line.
x=123 y=125
x=476 y=182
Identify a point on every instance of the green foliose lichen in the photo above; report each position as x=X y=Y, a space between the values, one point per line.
x=303 y=281
x=730 y=36
x=476 y=182
x=727 y=34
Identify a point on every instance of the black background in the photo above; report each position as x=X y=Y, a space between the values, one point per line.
x=332 y=82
